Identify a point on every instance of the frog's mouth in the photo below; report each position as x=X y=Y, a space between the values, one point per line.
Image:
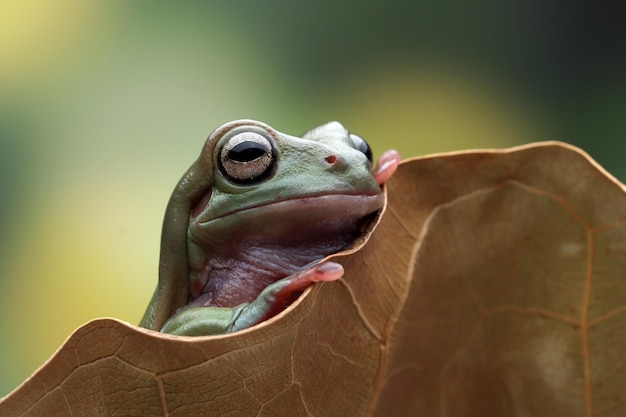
x=275 y=217
x=323 y=201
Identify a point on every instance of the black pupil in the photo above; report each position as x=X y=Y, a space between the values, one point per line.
x=247 y=151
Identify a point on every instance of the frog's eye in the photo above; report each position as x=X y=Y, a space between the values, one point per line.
x=361 y=145
x=247 y=158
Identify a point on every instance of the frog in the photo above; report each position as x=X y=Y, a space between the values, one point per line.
x=247 y=227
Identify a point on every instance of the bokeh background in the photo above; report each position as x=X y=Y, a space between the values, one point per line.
x=104 y=104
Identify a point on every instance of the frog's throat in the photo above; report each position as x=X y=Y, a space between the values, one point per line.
x=233 y=258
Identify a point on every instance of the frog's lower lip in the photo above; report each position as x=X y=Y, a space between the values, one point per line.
x=332 y=205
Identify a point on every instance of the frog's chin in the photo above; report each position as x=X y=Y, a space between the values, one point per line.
x=329 y=213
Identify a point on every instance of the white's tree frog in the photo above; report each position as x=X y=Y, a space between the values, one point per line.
x=248 y=223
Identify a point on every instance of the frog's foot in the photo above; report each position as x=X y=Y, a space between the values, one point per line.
x=202 y=321
x=275 y=297
x=386 y=166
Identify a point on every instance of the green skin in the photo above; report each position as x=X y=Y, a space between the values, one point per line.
x=233 y=255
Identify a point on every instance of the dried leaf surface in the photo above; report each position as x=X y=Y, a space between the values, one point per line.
x=492 y=286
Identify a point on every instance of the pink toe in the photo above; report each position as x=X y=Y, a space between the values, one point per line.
x=386 y=166
x=328 y=271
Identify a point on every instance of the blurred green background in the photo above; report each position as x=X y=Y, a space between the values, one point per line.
x=103 y=106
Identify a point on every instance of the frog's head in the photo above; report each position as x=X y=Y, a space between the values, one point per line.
x=268 y=183
x=251 y=180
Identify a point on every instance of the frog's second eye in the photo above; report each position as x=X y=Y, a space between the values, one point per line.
x=361 y=145
x=247 y=158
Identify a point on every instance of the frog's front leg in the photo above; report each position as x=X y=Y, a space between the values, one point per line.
x=201 y=321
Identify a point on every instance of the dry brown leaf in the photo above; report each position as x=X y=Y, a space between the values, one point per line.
x=493 y=286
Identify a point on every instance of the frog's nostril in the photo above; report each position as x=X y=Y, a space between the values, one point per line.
x=331 y=159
